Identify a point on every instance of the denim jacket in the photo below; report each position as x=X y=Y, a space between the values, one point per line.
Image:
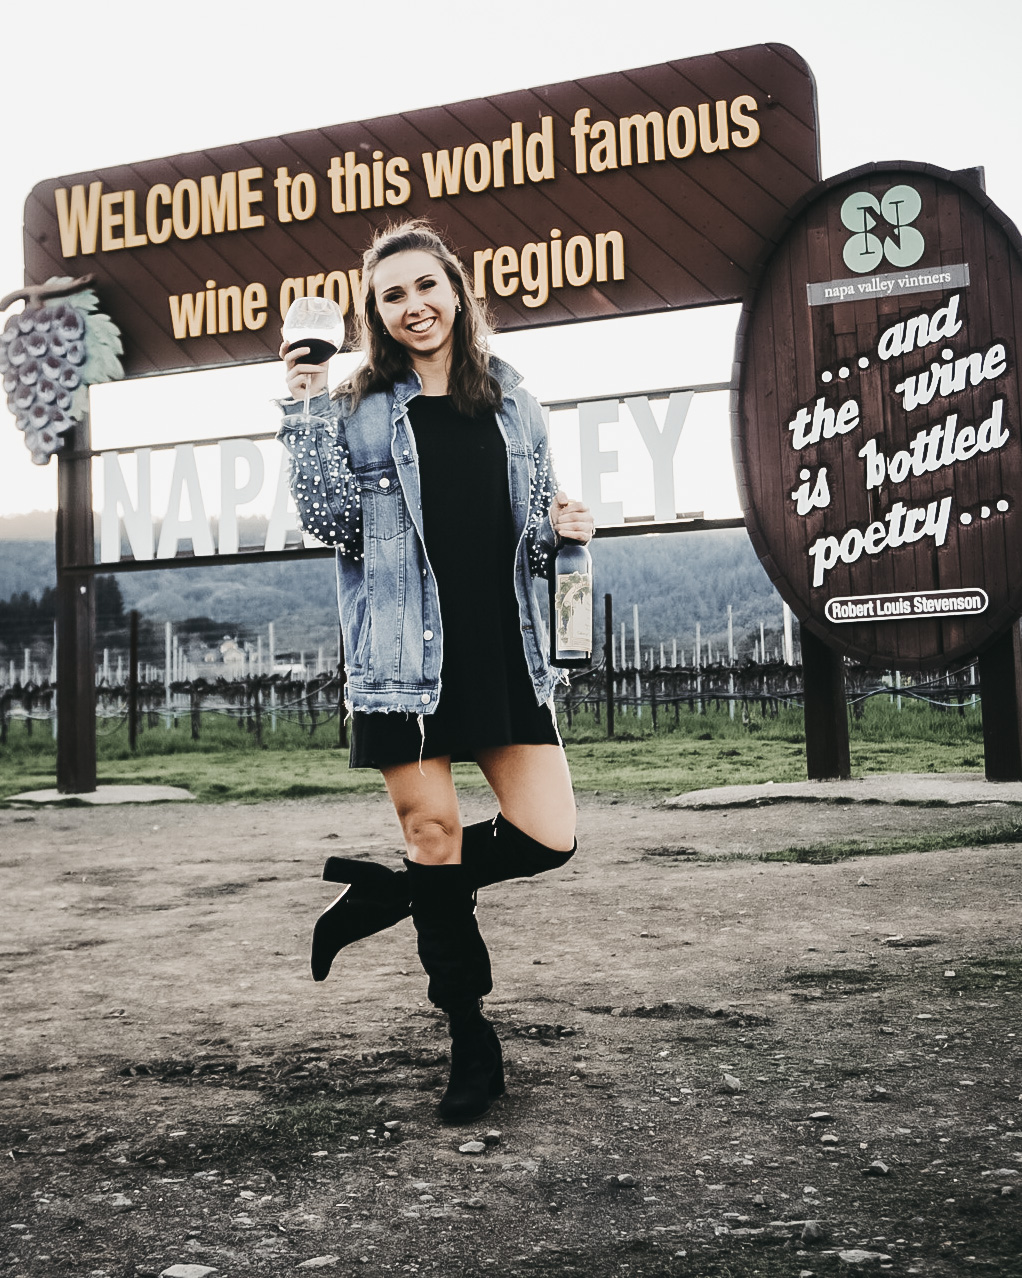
x=355 y=482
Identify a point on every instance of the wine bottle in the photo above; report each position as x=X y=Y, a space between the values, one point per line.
x=571 y=607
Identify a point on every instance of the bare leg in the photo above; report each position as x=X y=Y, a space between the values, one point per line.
x=427 y=807
x=533 y=788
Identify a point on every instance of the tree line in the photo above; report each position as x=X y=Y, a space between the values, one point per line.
x=26 y=619
x=678 y=580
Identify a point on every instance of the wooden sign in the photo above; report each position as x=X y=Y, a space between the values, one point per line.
x=876 y=425
x=620 y=194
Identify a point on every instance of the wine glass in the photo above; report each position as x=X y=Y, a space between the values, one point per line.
x=318 y=323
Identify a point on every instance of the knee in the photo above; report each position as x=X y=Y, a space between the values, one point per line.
x=432 y=840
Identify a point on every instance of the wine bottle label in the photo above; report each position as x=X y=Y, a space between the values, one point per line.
x=573 y=610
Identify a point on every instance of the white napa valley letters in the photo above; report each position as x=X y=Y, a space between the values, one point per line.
x=176 y=526
x=661 y=443
x=165 y=506
x=242 y=479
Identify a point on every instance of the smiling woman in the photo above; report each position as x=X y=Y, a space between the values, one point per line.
x=431 y=446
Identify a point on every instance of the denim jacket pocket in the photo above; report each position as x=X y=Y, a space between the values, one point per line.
x=384 y=512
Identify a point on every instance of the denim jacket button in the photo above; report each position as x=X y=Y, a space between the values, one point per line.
x=384 y=482
x=425 y=698
x=427 y=634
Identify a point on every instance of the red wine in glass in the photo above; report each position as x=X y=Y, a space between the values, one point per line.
x=317 y=323
x=319 y=350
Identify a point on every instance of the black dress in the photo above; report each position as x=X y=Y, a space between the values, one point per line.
x=487 y=696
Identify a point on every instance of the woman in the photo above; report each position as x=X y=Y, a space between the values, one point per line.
x=430 y=473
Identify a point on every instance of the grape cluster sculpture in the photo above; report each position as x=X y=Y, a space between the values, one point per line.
x=50 y=353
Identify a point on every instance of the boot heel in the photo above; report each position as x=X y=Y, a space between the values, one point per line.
x=374 y=898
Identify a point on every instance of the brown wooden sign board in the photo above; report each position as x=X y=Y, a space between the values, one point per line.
x=876 y=425
x=635 y=192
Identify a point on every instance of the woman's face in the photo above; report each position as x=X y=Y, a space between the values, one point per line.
x=416 y=301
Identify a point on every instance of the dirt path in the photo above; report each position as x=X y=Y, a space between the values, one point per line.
x=176 y=1090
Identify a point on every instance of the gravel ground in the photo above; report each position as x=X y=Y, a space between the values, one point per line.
x=705 y=1051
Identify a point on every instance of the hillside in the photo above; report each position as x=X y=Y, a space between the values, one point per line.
x=677 y=579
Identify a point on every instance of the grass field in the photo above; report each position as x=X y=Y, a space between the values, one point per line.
x=699 y=751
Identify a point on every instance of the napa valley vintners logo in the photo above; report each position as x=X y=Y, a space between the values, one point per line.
x=902 y=244
x=883 y=232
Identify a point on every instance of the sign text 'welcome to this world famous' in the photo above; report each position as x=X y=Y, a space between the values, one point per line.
x=639 y=191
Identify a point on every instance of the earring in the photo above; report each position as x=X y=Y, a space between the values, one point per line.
x=457 y=306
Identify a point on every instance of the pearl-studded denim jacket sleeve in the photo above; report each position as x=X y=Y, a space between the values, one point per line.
x=324 y=489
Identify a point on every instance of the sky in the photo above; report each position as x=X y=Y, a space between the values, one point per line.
x=934 y=83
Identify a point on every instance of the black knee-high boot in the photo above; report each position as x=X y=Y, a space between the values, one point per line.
x=377 y=898
x=510 y=854
x=455 y=958
x=491 y=852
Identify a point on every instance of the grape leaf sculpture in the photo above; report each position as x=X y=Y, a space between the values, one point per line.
x=51 y=352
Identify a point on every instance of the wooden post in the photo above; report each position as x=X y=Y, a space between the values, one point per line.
x=168 y=673
x=312 y=700
x=1000 y=681
x=76 y=617
x=608 y=659
x=133 y=680
x=823 y=675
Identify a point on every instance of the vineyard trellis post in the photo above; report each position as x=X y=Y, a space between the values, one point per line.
x=133 y=680
x=168 y=655
x=637 y=661
x=731 y=660
x=608 y=659
x=789 y=642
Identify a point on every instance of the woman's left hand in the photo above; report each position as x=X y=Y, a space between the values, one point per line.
x=571 y=520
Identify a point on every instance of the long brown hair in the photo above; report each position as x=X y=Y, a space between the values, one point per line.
x=473 y=388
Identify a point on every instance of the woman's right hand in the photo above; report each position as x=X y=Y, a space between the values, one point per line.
x=299 y=376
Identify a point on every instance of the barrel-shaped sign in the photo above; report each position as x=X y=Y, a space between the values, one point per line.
x=876 y=424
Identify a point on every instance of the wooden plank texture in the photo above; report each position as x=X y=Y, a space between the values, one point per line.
x=793 y=354
x=694 y=226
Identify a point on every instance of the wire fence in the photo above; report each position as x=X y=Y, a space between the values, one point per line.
x=747 y=689
x=258 y=704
